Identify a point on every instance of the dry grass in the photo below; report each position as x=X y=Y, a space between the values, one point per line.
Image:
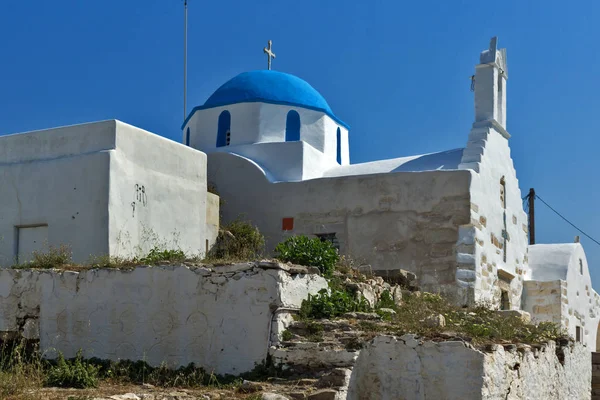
x=480 y=324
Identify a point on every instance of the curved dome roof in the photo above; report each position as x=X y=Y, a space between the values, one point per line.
x=271 y=87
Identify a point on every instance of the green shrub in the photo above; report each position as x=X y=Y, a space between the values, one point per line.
x=156 y=256
x=307 y=251
x=325 y=305
x=239 y=240
x=286 y=335
x=75 y=373
x=386 y=300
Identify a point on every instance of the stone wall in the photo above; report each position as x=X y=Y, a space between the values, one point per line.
x=400 y=220
x=544 y=300
x=392 y=368
x=218 y=318
x=574 y=307
x=493 y=250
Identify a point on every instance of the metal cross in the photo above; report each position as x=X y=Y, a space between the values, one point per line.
x=269 y=52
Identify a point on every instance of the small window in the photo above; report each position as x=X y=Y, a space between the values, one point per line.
x=329 y=237
x=504 y=300
x=578 y=335
x=503 y=192
x=581 y=266
x=339 y=146
x=292 y=127
x=224 y=129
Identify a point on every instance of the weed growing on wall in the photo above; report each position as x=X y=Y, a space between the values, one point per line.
x=332 y=303
x=156 y=256
x=307 y=251
x=237 y=241
x=54 y=257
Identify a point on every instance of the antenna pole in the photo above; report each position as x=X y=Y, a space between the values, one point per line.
x=185 y=18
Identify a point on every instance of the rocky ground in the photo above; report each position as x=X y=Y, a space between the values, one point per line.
x=277 y=389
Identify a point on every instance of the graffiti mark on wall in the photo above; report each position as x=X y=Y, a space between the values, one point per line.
x=140 y=194
x=139 y=197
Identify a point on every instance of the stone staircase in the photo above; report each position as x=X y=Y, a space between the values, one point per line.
x=595 y=376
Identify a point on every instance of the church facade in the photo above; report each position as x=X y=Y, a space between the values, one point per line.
x=279 y=157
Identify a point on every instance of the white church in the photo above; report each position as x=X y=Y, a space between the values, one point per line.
x=279 y=156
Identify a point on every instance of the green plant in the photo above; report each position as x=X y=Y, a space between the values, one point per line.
x=386 y=300
x=308 y=251
x=157 y=255
x=331 y=305
x=75 y=373
x=54 y=257
x=239 y=240
x=286 y=335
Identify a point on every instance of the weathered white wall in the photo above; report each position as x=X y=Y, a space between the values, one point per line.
x=391 y=368
x=399 y=220
x=218 y=320
x=168 y=209
x=59 y=178
x=563 y=268
x=481 y=249
x=102 y=188
x=213 y=218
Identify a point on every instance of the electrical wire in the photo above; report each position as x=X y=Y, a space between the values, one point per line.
x=566 y=220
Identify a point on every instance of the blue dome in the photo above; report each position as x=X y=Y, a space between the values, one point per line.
x=272 y=87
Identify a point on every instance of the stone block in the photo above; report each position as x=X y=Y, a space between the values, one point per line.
x=273 y=396
x=397 y=276
x=522 y=315
x=435 y=321
x=323 y=394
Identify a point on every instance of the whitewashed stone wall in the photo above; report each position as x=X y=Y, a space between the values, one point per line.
x=218 y=319
x=391 y=368
x=544 y=300
x=400 y=220
x=560 y=290
x=493 y=226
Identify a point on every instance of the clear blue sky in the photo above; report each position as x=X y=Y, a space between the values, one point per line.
x=397 y=72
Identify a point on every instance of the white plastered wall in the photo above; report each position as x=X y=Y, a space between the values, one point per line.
x=157 y=194
x=172 y=314
x=482 y=252
x=59 y=178
x=81 y=181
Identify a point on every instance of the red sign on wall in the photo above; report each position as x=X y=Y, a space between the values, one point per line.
x=287 y=224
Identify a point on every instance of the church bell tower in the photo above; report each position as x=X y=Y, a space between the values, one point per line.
x=490 y=86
